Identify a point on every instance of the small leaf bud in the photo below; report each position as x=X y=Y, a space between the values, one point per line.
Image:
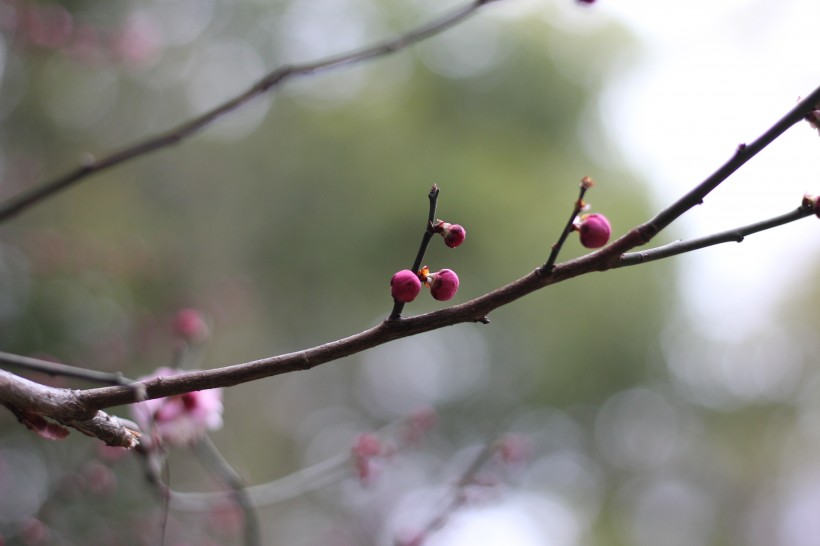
x=405 y=286
x=594 y=230
x=443 y=285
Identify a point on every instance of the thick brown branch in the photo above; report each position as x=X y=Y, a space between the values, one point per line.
x=742 y=154
x=472 y=311
x=27 y=400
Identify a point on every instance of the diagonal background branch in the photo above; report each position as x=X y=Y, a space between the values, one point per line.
x=29 y=198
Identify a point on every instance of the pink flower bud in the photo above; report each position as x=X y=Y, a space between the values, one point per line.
x=595 y=230
x=453 y=234
x=515 y=448
x=418 y=424
x=812 y=201
x=367 y=447
x=191 y=326
x=444 y=284
x=813 y=118
x=405 y=286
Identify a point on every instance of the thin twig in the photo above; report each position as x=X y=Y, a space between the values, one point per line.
x=29 y=198
x=586 y=183
x=733 y=235
x=457 y=498
x=166 y=500
x=432 y=196
x=55 y=368
x=212 y=458
x=288 y=487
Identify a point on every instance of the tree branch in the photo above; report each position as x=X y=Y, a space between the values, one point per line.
x=29 y=198
x=733 y=235
x=474 y=310
x=64 y=370
x=63 y=404
x=743 y=153
x=30 y=401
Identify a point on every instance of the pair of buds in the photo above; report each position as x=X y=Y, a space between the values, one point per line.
x=406 y=285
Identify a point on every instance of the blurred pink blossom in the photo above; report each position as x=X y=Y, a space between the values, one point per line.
x=139 y=41
x=515 y=448
x=179 y=419
x=190 y=325
x=367 y=447
x=418 y=424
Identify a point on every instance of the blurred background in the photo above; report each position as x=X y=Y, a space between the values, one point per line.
x=674 y=403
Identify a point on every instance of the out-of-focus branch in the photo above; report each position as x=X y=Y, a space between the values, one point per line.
x=214 y=460
x=307 y=479
x=91 y=166
x=457 y=496
x=294 y=485
x=64 y=370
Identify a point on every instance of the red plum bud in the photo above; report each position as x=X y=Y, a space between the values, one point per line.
x=444 y=284
x=813 y=118
x=405 y=286
x=453 y=234
x=594 y=230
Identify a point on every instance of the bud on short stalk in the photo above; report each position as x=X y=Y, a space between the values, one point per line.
x=443 y=285
x=453 y=234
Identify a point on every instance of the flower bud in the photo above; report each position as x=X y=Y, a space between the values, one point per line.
x=190 y=325
x=366 y=448
x=444 y=284
x=810 y=200
x=405 y=286
x=594 y=230
x=813 y=118
x=453 y=234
